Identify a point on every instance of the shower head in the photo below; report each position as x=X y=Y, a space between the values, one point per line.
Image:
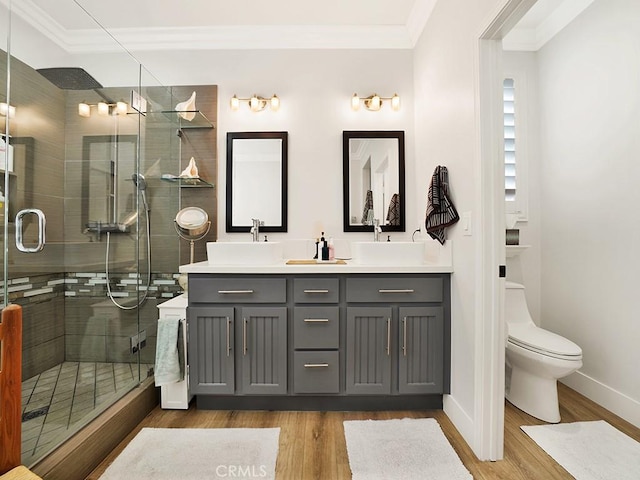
x=141 y=185
x=139 y=181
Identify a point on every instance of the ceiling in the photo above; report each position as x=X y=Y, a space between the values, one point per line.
x=259 y=24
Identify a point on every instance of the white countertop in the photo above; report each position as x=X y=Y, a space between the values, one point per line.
x=320 y=268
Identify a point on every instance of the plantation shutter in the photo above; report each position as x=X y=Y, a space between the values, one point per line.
x=508 y=88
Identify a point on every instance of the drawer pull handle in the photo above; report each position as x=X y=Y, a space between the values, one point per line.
x=231 y=292
x=400 y=290
x=244 y=336
x=404 y=334
x=316 y=320
x=388 y=336
x=316 y=291
x=316 y=365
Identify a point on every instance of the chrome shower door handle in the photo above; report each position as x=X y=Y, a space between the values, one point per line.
x=41 y=230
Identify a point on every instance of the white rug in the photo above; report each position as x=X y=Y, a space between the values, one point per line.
x=407 y=449
x=589 y=450
x=197 y=453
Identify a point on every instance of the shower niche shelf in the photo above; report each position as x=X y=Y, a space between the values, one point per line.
x=199 y=120
x=187 y=182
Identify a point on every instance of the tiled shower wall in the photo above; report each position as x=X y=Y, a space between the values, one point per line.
x=68 y=317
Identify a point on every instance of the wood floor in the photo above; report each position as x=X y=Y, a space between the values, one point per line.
x=312 y=444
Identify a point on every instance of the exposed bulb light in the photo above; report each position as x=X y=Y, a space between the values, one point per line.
x=395 y=102
x=103 y=109
x=256 y=103
x=355 y=102
x=235 y=103
x=122 y=108
x=275 y=103
x=84 y=110
x=374 y=102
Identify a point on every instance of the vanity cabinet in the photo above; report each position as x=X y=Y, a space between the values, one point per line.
x=321 y=342
x=396 y=346
x=236 y=347
x=316 y=336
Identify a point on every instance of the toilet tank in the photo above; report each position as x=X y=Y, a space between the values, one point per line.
x=515 y=304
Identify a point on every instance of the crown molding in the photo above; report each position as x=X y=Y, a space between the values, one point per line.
x=263 y=37
x=533 y=39
x=240 y=37
x=420 y=14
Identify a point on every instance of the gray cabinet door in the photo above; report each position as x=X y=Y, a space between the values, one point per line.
x=211 y=352
x=263 y=350
x=369 y=350
x=421 y=352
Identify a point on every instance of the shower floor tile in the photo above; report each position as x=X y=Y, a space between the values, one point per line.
x=64 y=398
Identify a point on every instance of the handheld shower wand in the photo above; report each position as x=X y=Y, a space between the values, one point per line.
x=141 y=183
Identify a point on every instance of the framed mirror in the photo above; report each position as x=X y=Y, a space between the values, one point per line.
x=373 y=180
x=256 y=181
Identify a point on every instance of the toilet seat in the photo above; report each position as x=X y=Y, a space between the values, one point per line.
x=544 y=342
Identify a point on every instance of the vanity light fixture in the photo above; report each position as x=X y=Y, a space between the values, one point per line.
x=7 y=110
x=374 y=102
x=104 y=108
x=256 y=103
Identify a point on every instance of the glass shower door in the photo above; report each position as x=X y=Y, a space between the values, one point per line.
x=65 y=266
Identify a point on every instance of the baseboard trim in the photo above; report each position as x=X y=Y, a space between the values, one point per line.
x=82 y=453
x=459 y=418
x=605 y=396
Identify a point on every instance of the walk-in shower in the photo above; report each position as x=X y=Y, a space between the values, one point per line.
x=89 y=296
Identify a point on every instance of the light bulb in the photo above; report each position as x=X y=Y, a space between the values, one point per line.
x=122 y=108
x=235 y=103
x=375 y=102
x=256 y=104
x=275 y=103
x=84 y=110
x=103 y=108
x=395 y=102
x=355 y=102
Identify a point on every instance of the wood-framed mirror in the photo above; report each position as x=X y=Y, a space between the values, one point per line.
x=373 y=180
x=256 y=181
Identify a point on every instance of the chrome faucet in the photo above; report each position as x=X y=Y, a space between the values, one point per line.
x=376 y=230
x=255 y=230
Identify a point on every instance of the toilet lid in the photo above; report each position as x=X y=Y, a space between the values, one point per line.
x=544 y=342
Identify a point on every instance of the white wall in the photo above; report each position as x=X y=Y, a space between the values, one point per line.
x=446 y=65
x=590 y=197
x=525 y=268
x=315 y=88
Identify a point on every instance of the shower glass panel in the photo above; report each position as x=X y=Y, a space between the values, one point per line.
x=89 y=296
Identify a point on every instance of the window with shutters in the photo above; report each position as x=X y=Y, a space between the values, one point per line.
x=514 y=151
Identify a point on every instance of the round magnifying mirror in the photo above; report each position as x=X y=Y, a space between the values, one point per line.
x=192 y=222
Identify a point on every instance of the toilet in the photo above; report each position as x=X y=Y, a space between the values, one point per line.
x=537 y=358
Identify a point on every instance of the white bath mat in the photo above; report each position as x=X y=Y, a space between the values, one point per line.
x=589 y=450
x=407 y=449
x=197 y=453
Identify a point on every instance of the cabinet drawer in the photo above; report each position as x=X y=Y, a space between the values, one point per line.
x=316 y=327
x=316 y=372
x=315 y=290
x=394 y=289
x=210 y=289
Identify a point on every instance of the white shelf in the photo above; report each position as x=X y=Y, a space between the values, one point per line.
x=515 y=250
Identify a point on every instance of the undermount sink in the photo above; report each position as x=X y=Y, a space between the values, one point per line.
x=388 y=253
x=244 y=253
